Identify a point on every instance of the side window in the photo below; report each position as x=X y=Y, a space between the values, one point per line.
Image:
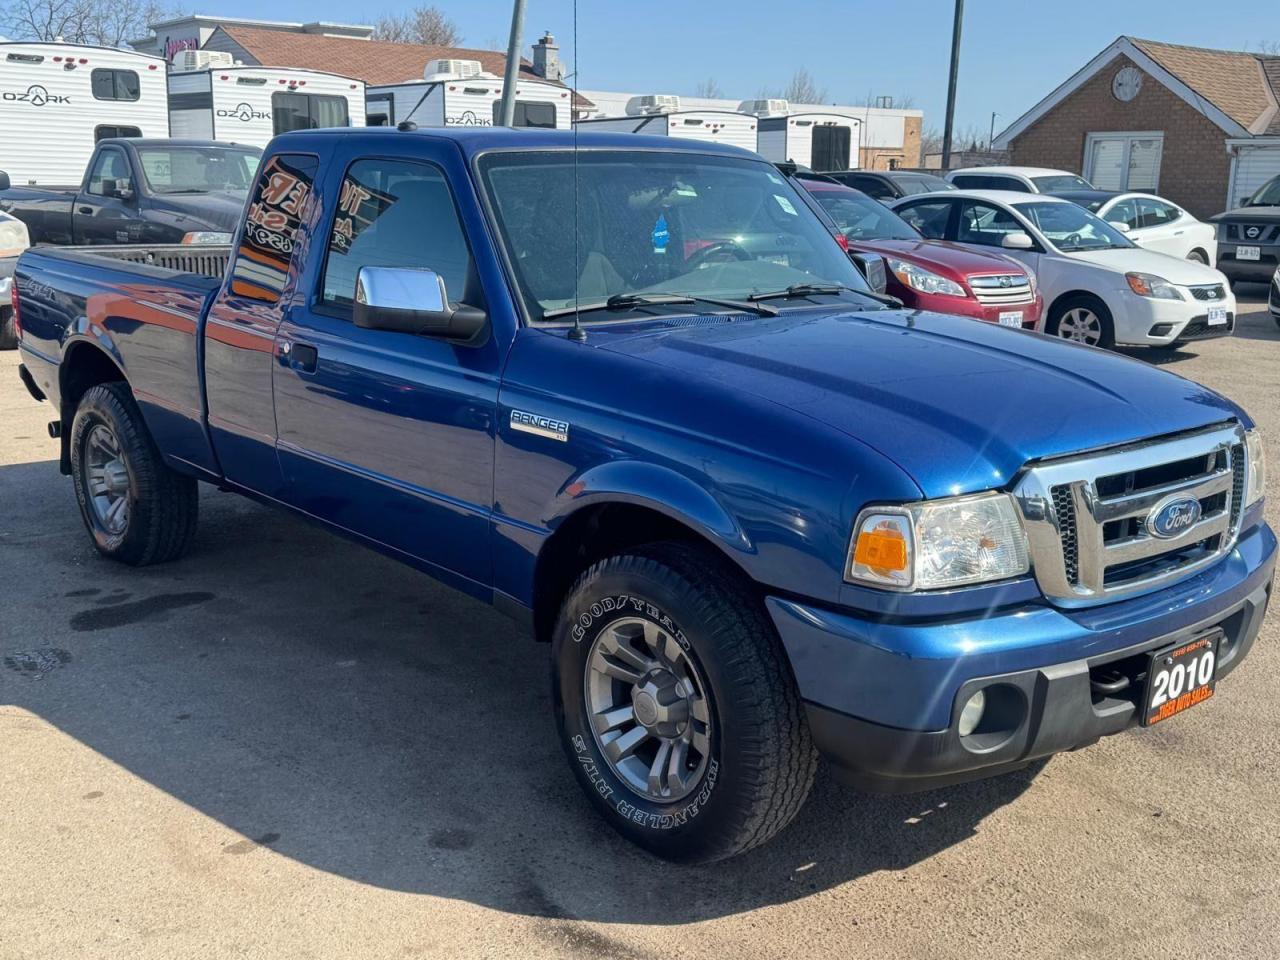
x=1008 y=183
x=115 y=84
x=970 y=181
x=106 y=132
x=281 y=201
x=984 y=224
x=1154 y=213
x=1126 y=211
x=110 y=168
x=396 y=213
x=930 y=218
x=873 y=187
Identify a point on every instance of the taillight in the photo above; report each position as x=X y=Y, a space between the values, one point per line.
x=17 y=314
x=843 y=241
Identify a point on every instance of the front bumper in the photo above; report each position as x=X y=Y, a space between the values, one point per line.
x=1032 y=310
x=884 y=696
x=1250 y=271
x=1145 y=321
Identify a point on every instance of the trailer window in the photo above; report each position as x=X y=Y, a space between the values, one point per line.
x=105 y=132
x=307 y=111
x=115 y=84
x=528 y=114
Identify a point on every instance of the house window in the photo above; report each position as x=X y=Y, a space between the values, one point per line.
x=115 y=85
x=307 y=111
x=1123 y=161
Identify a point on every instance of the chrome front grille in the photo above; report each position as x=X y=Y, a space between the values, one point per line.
x=1090 y=519
x=996 y=289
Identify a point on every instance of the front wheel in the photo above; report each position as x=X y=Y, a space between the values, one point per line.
x=1082 y=319
x=137 y=509
x=676 y=705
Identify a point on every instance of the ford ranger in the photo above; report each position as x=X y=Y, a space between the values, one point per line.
x=630 y=391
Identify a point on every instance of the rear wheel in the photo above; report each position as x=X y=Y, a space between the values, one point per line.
x=8 y=330
x=136 y=509
x=676 y=705
x=1082 y=319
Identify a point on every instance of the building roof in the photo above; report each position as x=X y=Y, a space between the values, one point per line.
x=1236 y=90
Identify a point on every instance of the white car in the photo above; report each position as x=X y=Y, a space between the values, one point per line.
x=1152 y=222
x=1098 y=286
x=1274 y=301
x=13 y=240
x=1018 y=179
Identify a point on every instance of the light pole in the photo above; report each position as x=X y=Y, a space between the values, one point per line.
x=991 y=138
x=951 y=86
x=513 y=64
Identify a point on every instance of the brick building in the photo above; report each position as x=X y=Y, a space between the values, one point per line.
x=1201 y=127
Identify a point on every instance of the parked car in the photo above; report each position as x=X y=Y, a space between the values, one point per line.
x=140 y=191
x=1274 y=300
x=889 y=184
x=1017 y=179
x=759 y=515
x=1098 y=287
x=1249 y=236
x=931 y=274
x=1152 y=222
x=13 y=240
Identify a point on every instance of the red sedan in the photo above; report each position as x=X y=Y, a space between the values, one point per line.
x=932 y=274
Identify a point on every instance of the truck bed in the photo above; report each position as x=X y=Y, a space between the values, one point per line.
x=179 y=259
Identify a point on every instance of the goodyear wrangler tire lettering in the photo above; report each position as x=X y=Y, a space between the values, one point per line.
x=668 y=678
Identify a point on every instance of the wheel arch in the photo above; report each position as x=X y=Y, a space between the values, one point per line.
x=1062 y=299
x=85 y=363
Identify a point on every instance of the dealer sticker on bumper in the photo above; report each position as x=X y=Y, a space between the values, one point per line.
x=1010 y=318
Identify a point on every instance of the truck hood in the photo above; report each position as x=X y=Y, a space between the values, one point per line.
x=1174 y=269
x=1248 y=214
x=941 y=257
x=202 y=211
x=958 y=404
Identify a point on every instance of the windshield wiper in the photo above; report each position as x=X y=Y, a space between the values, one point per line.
x=799 y=291
x=629 y=301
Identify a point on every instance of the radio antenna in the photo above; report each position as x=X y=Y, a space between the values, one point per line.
x=576 y=333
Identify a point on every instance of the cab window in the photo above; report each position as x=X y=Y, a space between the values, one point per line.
x=396 y=213
x=110 y=172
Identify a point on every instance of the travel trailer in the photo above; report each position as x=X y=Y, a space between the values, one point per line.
x=57 y=100
x=660 y=115
x=819 y=141
x=458 y=93
x=212 y=98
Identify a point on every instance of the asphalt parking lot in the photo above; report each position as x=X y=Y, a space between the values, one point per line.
x=288 y=746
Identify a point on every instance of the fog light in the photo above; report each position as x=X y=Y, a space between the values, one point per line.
x=1160 y=330
x=971 y=715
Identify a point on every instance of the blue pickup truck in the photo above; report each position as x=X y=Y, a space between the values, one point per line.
x=629 y=391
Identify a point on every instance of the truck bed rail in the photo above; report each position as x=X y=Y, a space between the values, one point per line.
x=209 y=260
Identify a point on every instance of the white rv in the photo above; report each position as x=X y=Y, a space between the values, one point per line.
x=819 y=141
x=211 y=98
x=57 y=100
x=660 y=115
x=458 y=93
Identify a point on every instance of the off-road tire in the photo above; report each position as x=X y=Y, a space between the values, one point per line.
x=163 y=505
x=762 y=759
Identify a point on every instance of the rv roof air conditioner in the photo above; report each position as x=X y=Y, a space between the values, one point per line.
x=186 y=61
x=765 y=108
x=654 y=103
x=437 y=70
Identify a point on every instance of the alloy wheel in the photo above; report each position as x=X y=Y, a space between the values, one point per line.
x=1081 y=325
x=106 y=480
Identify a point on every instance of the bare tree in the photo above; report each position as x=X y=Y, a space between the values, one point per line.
x=709 y=88
x=427 y=25
x=1269 y=48
x=107 y=23
x=802 y=89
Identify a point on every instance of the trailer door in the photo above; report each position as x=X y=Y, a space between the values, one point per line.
x=831 y=148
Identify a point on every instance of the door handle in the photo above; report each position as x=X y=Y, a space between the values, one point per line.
x=300 y=356
x=86 y=210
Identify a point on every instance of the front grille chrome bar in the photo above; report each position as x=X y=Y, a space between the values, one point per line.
x=1086 y=516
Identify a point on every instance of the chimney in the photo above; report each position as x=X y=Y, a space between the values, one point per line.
x=546 y=58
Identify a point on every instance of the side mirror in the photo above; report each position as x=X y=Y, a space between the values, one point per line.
x=118 y=189
x=872 y=267
x=1017 y=241
x=406 y=300
x=1120 y=225
x=4 y=181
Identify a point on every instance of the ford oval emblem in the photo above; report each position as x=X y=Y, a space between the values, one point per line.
x=1173 y=517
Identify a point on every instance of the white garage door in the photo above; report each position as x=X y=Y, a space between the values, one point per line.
x=1123 y=161
x=1254 y=166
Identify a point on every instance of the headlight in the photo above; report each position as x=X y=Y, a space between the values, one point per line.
x=938 y=543
x=918 y=278
x=13 y=237
x=1149 y=285
x=1256 y=468
x=206 y=236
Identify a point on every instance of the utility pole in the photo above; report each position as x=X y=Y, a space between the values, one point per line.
x=991 y=138
x=513 y=64
x=951 y=86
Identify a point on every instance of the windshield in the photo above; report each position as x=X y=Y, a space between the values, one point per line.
x=1268 y=195
x=1066 y=181
x=1072 y=228
x=861 y=218
x=199 y=169
x=655 y=223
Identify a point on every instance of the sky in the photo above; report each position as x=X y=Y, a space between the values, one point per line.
x=1013 y=51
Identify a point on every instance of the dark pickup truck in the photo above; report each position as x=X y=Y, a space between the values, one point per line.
x=140 y=191
x=630 y=391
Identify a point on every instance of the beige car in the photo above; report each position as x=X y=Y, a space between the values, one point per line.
x=13 y=240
